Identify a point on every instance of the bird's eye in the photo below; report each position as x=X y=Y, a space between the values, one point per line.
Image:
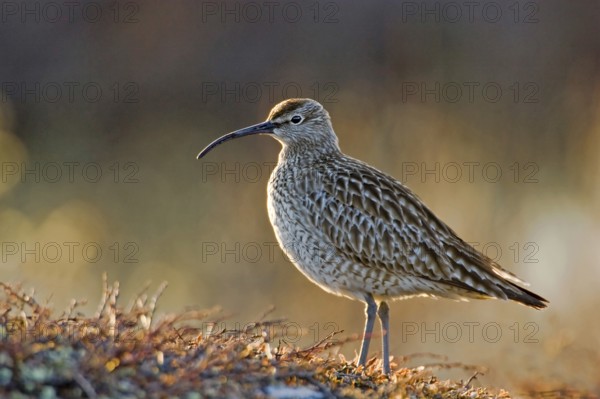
x=296 y=119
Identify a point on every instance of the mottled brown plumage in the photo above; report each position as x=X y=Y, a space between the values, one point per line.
x=360 y=233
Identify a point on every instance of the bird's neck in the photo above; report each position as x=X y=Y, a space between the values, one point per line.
x=303 y=153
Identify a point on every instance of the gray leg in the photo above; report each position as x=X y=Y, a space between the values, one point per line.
x=383 y=313
x=370 y=310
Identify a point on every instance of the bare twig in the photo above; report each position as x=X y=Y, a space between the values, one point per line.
x=154 y=300
x=85 y=385
x=473 y=377
x=104 y=297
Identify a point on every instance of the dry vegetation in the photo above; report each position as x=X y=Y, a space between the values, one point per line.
x=123 y=352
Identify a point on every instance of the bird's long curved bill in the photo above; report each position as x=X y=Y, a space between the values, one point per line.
x=264 y=127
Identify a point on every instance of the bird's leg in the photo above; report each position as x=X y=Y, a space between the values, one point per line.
x=383 y=313
x=370 y=310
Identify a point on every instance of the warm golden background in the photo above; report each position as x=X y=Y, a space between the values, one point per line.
x=175 y=75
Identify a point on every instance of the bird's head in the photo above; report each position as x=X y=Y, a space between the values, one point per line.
x=297 y=122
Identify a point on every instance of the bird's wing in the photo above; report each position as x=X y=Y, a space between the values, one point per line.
x=378 y=222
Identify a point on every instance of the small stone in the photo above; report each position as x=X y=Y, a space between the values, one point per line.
x=5 y=376
x=284 y=392
x=47 y=393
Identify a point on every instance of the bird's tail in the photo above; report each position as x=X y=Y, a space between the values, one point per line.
x=516 y=292
x=525 y=297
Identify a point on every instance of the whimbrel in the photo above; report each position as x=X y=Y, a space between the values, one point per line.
x=359 y=233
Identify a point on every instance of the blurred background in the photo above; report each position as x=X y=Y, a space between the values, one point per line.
x=490 y=112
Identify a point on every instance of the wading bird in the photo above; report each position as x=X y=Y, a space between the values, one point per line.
x=359 y=233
